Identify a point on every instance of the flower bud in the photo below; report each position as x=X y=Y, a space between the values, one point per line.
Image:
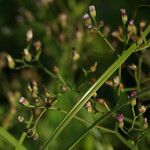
x=142 y=24
x=89 y=106
x=29 y=35
x=133 y=93
x=92 y=11
x=109 y=82
x=95 y=95
x=64 y=88
x=32 y=86
x=133 y=102
x=63 y=19
x=93 y=68
x=24 y=102
x=87 y=20
x=132 y=67
x=10 y=61
x=116 y=80
x=27 y=55
x=120 y=118
x=145 y=123
x=132 y=30
x=142 y=109
x=75 y=54
x=35 y=136
x=56 y=70
x=37 y=45
x=124 y=16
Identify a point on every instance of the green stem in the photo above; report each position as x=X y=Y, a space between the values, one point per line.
x=47 y=71
x=37 y=120
x=134 y=119
x=105 y=39
x=22 y=138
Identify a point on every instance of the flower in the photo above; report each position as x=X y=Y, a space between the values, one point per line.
x=10 y=61
x=87 y=20
x=142 y=109
x=24 y=102
x=92 y=11
x=124 y=15
x=120 y=117
x=29 y=35
x=133 y=93
x=27 y=55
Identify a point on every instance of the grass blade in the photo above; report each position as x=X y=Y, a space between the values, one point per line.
x=4 y=134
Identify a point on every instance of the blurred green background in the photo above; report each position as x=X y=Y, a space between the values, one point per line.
x=58 y=36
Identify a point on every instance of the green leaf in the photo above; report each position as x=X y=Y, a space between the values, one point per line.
x=101 y=80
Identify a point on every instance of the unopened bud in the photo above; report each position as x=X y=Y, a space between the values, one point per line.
x=93 y=68
x=35 y=136
x=63 y=19
x=27 y=55
x=109 y=82
x=132 y=67
x=32 y=86
x=24 y=102
x=142 y=24
x=37 y=45
x=89 y=106
x=120 y=118
x=95 y=95
x=133 y=93
x=10 y=61
x=116 y=80
x=87 y=20
x=92 y=11
x=133 y=102
x=75 y=54
x=64 y=88
x=29 y=35
x=124 y=15
x=145 y=123
x=56 y=70
x=132 y=30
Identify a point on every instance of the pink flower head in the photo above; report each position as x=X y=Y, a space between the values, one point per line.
x=86 y=16
x=133 y=93
x=23 y=101
x=120 y=118
x=131 y=22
